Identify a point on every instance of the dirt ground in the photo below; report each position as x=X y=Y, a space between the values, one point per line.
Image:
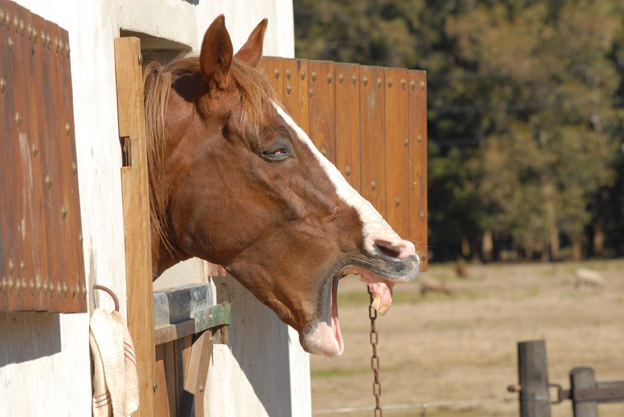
x=449 y=348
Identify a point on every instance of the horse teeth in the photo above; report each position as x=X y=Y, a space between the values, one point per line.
x=377 y=303
x=384 y=309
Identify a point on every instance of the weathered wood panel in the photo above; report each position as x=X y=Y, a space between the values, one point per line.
x=348 y=122
x=182 y=349
x=41 y=256
x=273 y=69
x=417 y=85
x=397 y=154
x=372 y=136
x=181 y=372
x=322 y=96
x=136 y=217
x=295 y=91
x=163 y=400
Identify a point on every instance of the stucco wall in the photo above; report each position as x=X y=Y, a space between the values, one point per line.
x=44 y=358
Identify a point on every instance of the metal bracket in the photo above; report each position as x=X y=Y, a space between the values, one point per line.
x=562 y=394
x=215 y=316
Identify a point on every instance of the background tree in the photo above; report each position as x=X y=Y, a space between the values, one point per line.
x=525 y=112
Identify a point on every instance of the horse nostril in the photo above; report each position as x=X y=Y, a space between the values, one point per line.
x=387 y=249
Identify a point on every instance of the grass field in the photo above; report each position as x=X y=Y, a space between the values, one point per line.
x=462 y=346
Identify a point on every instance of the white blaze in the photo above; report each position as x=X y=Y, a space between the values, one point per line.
x=375 y=227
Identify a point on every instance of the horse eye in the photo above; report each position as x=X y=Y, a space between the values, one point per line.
x=278 y=151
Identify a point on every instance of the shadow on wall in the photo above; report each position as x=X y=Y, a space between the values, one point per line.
x=27 y=336
x=259 y=343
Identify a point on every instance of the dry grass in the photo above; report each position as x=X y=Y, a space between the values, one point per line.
x=463 y=346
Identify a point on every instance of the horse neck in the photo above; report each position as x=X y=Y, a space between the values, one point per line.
x=163 y=255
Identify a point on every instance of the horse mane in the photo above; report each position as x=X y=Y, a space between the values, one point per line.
x=257 y=98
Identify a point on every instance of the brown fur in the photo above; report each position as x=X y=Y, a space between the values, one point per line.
x=256 y=108
x=279 y=228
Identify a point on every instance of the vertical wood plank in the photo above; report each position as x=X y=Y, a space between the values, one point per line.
x=295 y=91
x=397 y=152
x=170 y=376
x=182 y=352
x=418 y=162
x=20 y=141
x=136 y=217
x=198 y=364
x=5 y=149
x=12 y=242
x=274 y=73
x=348 y=122
x=322 y=96
x=47 y=172
x=71 y=165
x=36 y=136
x=162 y=403
x=67 y=211
x=372 y=136
x=57 y=196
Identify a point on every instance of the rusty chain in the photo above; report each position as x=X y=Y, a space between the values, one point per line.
x=372 y=314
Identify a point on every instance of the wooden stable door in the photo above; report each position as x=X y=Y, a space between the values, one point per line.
x=41 y=256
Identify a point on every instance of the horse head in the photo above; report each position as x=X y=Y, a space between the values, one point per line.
x=236 y=182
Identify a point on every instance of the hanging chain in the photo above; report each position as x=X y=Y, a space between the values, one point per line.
x=372 y=314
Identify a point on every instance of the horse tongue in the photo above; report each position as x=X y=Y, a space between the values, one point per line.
x=382 y=296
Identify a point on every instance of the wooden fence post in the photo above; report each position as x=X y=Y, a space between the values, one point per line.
x=583 y=378
x=533 y=378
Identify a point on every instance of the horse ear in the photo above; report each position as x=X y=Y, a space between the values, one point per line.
x=251 y=52
x=216 y=51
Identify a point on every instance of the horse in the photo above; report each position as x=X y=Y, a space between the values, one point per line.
x=235 y=181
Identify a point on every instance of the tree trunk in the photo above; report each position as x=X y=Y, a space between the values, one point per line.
x=577 y=248
x=544 y=251
x=598 y=240
x=487 y=246
x=550 y=221
x=554 y=242
x=465 y=247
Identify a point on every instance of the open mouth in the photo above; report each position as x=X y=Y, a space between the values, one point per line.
x=380 y=288
x=326 y=337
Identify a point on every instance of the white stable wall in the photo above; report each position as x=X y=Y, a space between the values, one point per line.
x=44 y=357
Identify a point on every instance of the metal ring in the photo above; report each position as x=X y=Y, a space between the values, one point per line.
x=110 y=292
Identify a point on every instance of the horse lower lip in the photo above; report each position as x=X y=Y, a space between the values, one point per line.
x=335 y=323
x=324 y=337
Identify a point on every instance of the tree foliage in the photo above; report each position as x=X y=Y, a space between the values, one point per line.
x=525 y=111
